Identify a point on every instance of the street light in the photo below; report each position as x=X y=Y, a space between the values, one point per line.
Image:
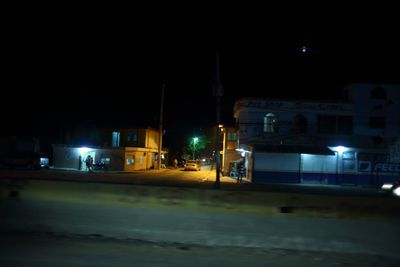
x=195 y=139
x=224 y=133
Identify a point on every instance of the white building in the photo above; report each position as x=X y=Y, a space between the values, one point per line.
x=345 y=142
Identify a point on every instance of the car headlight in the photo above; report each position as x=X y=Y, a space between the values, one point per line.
x=387 y=186
x=396 y=191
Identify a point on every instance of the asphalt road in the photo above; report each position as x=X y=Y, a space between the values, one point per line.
x=194 y=227
x=48 y=216
x=51 y=250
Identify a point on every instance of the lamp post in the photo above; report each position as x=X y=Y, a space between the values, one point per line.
x=195 y=139
x=224 y=132
x=160 y=128
x=218 y=92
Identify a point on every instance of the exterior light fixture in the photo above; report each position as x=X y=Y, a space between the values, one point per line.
x=339 y=149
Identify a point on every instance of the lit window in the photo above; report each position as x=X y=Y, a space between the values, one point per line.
x=349 y=161
x=115 y=139
x=105 y=160
x=349 y=165
x=130 y=160
x=270 y=123
x=349 y=155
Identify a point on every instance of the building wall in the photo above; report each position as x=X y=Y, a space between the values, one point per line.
x=145 y=137
x=141 y=160
x=65 y=157
x=361 y=109
x=152 y=139
x=367 y=106
x=68 y=157
x=367 y=168
x=231 y=139
x=328 y=124
x=137 y=148
x=250 y=113
x=276 y=168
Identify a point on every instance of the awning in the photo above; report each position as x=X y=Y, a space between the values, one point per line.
x=316 y=150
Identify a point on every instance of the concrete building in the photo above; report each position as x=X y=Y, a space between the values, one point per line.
x=229 y=154
x=127 y=149
x=347 y=142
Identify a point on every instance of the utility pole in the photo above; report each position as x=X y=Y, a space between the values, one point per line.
x=160 y=133
x=218 y=93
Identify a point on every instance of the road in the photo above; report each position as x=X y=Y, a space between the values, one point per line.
x=42 y=250
x=93 y=225
x=205 y=177
x=200 y=227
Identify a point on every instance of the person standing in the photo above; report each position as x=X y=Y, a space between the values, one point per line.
x=87 y=162
x=91 y=164
x=240 y=172
x=80 y=163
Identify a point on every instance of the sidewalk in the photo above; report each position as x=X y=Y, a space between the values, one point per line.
x=103 y=171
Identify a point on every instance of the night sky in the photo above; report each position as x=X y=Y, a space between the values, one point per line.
x=107 y=65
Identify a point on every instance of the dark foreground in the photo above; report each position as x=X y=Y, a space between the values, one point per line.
x=63 y=250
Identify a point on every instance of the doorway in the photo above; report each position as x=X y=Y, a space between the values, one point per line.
x=84 y=156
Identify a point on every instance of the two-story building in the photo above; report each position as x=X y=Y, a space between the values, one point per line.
x=125 y=149
x=347 y=142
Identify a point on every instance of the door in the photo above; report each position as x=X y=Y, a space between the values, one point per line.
x=318 y=169
x=85 y=154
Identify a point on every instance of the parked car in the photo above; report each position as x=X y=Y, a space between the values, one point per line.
x=192 y=165
x=31 y=161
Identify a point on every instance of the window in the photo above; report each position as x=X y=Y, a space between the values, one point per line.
x=326 y=124
x=349 y=165
x=130 y=159
x=377 y=140
x=329 y=124
x=378 y=93
x=270 y=123
x=115 y=139
x=299 y=125
x=231 y=136
x=344 y=125
x=349 y=155
x=132 y=137
x=349 y=162
x=106 y=159
x=377 y=123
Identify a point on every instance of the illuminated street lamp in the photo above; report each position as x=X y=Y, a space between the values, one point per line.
x=224 y=132
x=195 y=140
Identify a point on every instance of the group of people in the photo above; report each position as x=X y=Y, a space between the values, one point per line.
x=88 y=162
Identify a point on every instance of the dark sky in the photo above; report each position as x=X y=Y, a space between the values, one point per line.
x=103 y=64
